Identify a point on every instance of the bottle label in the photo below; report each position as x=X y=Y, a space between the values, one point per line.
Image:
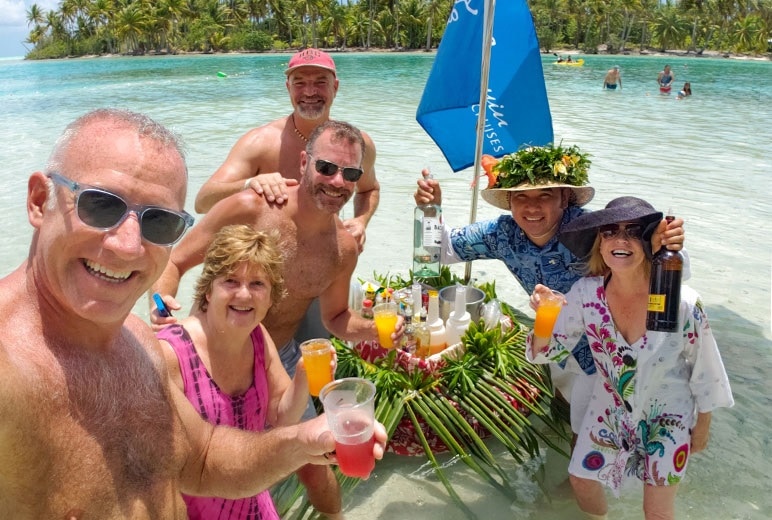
x=656 y=303
x=432 y=232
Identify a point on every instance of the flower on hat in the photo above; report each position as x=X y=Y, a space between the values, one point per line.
x=541 y=165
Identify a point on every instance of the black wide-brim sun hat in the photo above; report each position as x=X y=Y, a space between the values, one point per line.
x=579 y=234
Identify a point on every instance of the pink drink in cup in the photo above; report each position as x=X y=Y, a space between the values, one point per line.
x=354 y=446
x=349 y=406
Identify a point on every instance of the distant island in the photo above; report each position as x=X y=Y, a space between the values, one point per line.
x=109 y=27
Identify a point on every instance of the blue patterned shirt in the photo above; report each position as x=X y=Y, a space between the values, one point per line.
x=502 y=239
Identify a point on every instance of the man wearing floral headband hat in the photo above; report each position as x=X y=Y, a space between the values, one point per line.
x=544 y=188
x=267 y=159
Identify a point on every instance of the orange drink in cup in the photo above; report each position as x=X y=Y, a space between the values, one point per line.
x=317 y=356
x=385 y=316
x=547 y=313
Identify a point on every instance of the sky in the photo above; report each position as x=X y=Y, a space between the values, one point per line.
x=13 y=25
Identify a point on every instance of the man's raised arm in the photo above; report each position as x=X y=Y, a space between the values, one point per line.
x=367 y=196
x=242 y=163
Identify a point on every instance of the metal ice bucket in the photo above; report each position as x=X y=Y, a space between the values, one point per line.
x=474 y=301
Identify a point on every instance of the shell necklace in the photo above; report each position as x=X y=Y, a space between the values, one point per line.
x=297 y=132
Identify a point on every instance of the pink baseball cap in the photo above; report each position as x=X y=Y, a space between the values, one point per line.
x=310 y=58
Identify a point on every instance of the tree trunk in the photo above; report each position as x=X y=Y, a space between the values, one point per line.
x=429 y=34
x=370 y=26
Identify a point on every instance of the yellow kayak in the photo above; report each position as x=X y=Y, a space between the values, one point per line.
x=577 y=63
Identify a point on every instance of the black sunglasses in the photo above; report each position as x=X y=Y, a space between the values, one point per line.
x=328 y=169
x=103 y=210
x=631 y=231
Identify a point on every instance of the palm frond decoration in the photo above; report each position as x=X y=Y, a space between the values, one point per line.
x=490 y=389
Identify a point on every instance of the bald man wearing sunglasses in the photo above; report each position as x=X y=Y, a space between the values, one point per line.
x=90 y=424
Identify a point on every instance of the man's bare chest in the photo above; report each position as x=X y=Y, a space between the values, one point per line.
x=312 y=260
x=105 y=432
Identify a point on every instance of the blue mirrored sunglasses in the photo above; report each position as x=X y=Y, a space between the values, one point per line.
x=101 y=209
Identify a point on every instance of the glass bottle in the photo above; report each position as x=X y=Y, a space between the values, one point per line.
x=367 y=308
x=427 y=239
x=437 y=334
x=421 y=334
x=408 y=336
x=665 y=289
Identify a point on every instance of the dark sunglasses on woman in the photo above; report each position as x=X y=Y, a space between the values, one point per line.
x=101 y=209
x=631 y=231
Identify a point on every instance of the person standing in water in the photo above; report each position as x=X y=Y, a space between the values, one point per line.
x=665 y=79
x=612 y=79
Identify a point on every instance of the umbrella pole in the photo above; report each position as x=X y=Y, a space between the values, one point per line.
x=490 y=7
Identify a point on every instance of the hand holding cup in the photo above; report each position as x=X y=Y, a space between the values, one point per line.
x=318 y=360
x=349 y=407
x=548 y=304
x=385 y=317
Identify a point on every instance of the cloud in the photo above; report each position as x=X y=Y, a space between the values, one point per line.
x=12 y=13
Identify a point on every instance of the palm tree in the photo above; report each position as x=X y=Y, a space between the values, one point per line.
x=130 y=27
x=172 y=11
x=335 y=18
x=749 y=34
x=413 y=13
x=668 y=28
x=35 y=16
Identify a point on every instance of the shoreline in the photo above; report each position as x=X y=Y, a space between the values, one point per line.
x=675 y=53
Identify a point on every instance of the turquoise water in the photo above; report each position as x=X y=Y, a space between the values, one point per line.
x=707 y=157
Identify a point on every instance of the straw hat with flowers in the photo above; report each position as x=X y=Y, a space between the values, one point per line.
x=535 y=168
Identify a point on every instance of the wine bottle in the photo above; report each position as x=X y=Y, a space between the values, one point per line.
x=427 y=239
x=665 y=289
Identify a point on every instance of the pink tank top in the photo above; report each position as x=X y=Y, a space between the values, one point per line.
x=246 y=411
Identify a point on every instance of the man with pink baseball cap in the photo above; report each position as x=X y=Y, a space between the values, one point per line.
x=311 y=58
x=266 y=158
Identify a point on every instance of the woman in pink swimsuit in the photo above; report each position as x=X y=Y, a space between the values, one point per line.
x=225 y=361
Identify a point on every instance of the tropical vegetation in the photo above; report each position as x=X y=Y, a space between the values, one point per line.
x=87 y=27
x=489 y=389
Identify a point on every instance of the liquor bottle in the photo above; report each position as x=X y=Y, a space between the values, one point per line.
x=367 y=308
x=437 y=334
x=427 y=239
x=408 y=336
x=665 y=289
x=422 y=335
x=459 y=319
x=417 y=295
